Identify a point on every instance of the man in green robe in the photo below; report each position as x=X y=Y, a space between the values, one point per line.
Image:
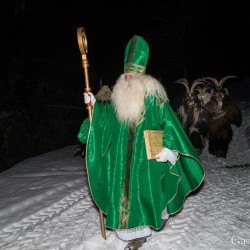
x=136 y=193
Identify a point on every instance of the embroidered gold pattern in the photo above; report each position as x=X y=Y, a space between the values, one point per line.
x=160 y=101
x=133 y=125
x=138 y=69
x=125 y=201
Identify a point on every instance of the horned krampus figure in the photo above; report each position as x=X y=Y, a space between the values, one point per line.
x=193 y=116
x=222 y=114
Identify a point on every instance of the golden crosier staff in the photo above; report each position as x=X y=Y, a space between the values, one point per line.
x=83 y=46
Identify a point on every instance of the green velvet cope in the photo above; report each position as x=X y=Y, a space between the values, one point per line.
x=131 y=190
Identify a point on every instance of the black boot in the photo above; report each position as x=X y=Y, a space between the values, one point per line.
x=135 y=244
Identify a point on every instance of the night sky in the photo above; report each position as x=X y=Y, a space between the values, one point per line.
x=187 y=38
x=41 y=77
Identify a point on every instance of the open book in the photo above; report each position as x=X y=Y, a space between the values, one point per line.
x=153 y=141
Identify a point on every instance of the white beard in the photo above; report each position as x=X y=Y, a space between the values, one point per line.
x=128 y=98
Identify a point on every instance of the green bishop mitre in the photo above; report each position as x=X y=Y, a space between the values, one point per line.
x=136 y=55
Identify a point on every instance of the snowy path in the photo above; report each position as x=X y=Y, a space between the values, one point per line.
x=46 y=204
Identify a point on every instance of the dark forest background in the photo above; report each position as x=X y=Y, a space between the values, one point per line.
x=41 y=78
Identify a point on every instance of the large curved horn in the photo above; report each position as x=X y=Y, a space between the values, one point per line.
x=195 y=83
x=217 y=83
x=223 y=79
x=184 y=82
x=213 y=80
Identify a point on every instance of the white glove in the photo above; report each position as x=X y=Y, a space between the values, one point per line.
x=89 y=97
x=167 y=155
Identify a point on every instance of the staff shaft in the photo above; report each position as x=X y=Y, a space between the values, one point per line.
x=85 y=66
x=82 y=42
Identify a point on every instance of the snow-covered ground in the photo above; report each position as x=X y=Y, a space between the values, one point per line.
x=45 y=204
